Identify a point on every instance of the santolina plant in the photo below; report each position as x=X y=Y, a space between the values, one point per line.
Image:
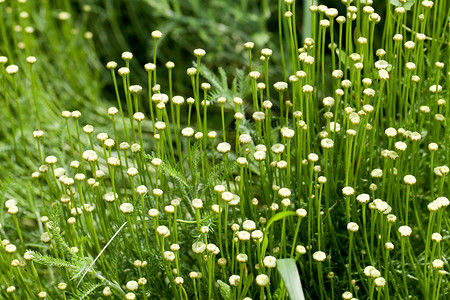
x=332 y=178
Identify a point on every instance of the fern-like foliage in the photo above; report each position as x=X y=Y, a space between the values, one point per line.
x=75 y=264
x=84 y=291
x=55 y=231
x=217 y=82
x=277 y=294
x=217 y=175
x=240 y=86
x=172 y=172
x=55 y=262
x=180 y=180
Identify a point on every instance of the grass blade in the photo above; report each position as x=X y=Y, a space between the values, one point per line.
x=289 y=273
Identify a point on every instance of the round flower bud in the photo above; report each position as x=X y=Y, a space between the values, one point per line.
x=138 y=116
x=223 y=147
x=238 y=116
x=405 y=231
x=257 y=235
x=287 y=133
x=221 y=100
x=149 y=67
x=249 y=45
x=347 y=296
x=243 y=235
x=197 y=203
x=88 y=129
x=254 y=75
x=153 y=212
x=124 y=71
x=107 y=292
x=199 y=52
x=249 y=225
x=301 y=212
x=13 y=210
x=284 y=192
x=191 y=71
x=227 y=196
x=341 y=19
x=126 y=208
x=198 y=247
x=300 y=249
x=245 y=138
x=113 y=161
x=277 y=148
x=205 y=86
x=156 y=34
x=389 y=246
x=234 y=280
x=286 y=202
x=178 y=100
x=76 y=114
x=348 y=191
x=170 y=65
x=187 y=132
x=280 y=86
x=160 y=125
x=90 y=155
x=380 y=282
x=169 y=256
x=10 y=248
x=270 y=262
x=267 y=104
x=141 y=190
x=12 y=69
x=242 y=258
x=162 y=230
x=433 y=206
x=132 y=285
x=390 y=132
x=424 y=109
x=327 y=143
x=62 y=286
x=266 y=52
x=319 y=256
x=259 y=116
x=436 y=237
x=352 y=227
x=111 y=65
x=383 y=74
x=219 y=188
x=433 y=146
x=262 y=280
x=216 y=208
x=409 y=179
x=110 y=197
x=437 y=264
